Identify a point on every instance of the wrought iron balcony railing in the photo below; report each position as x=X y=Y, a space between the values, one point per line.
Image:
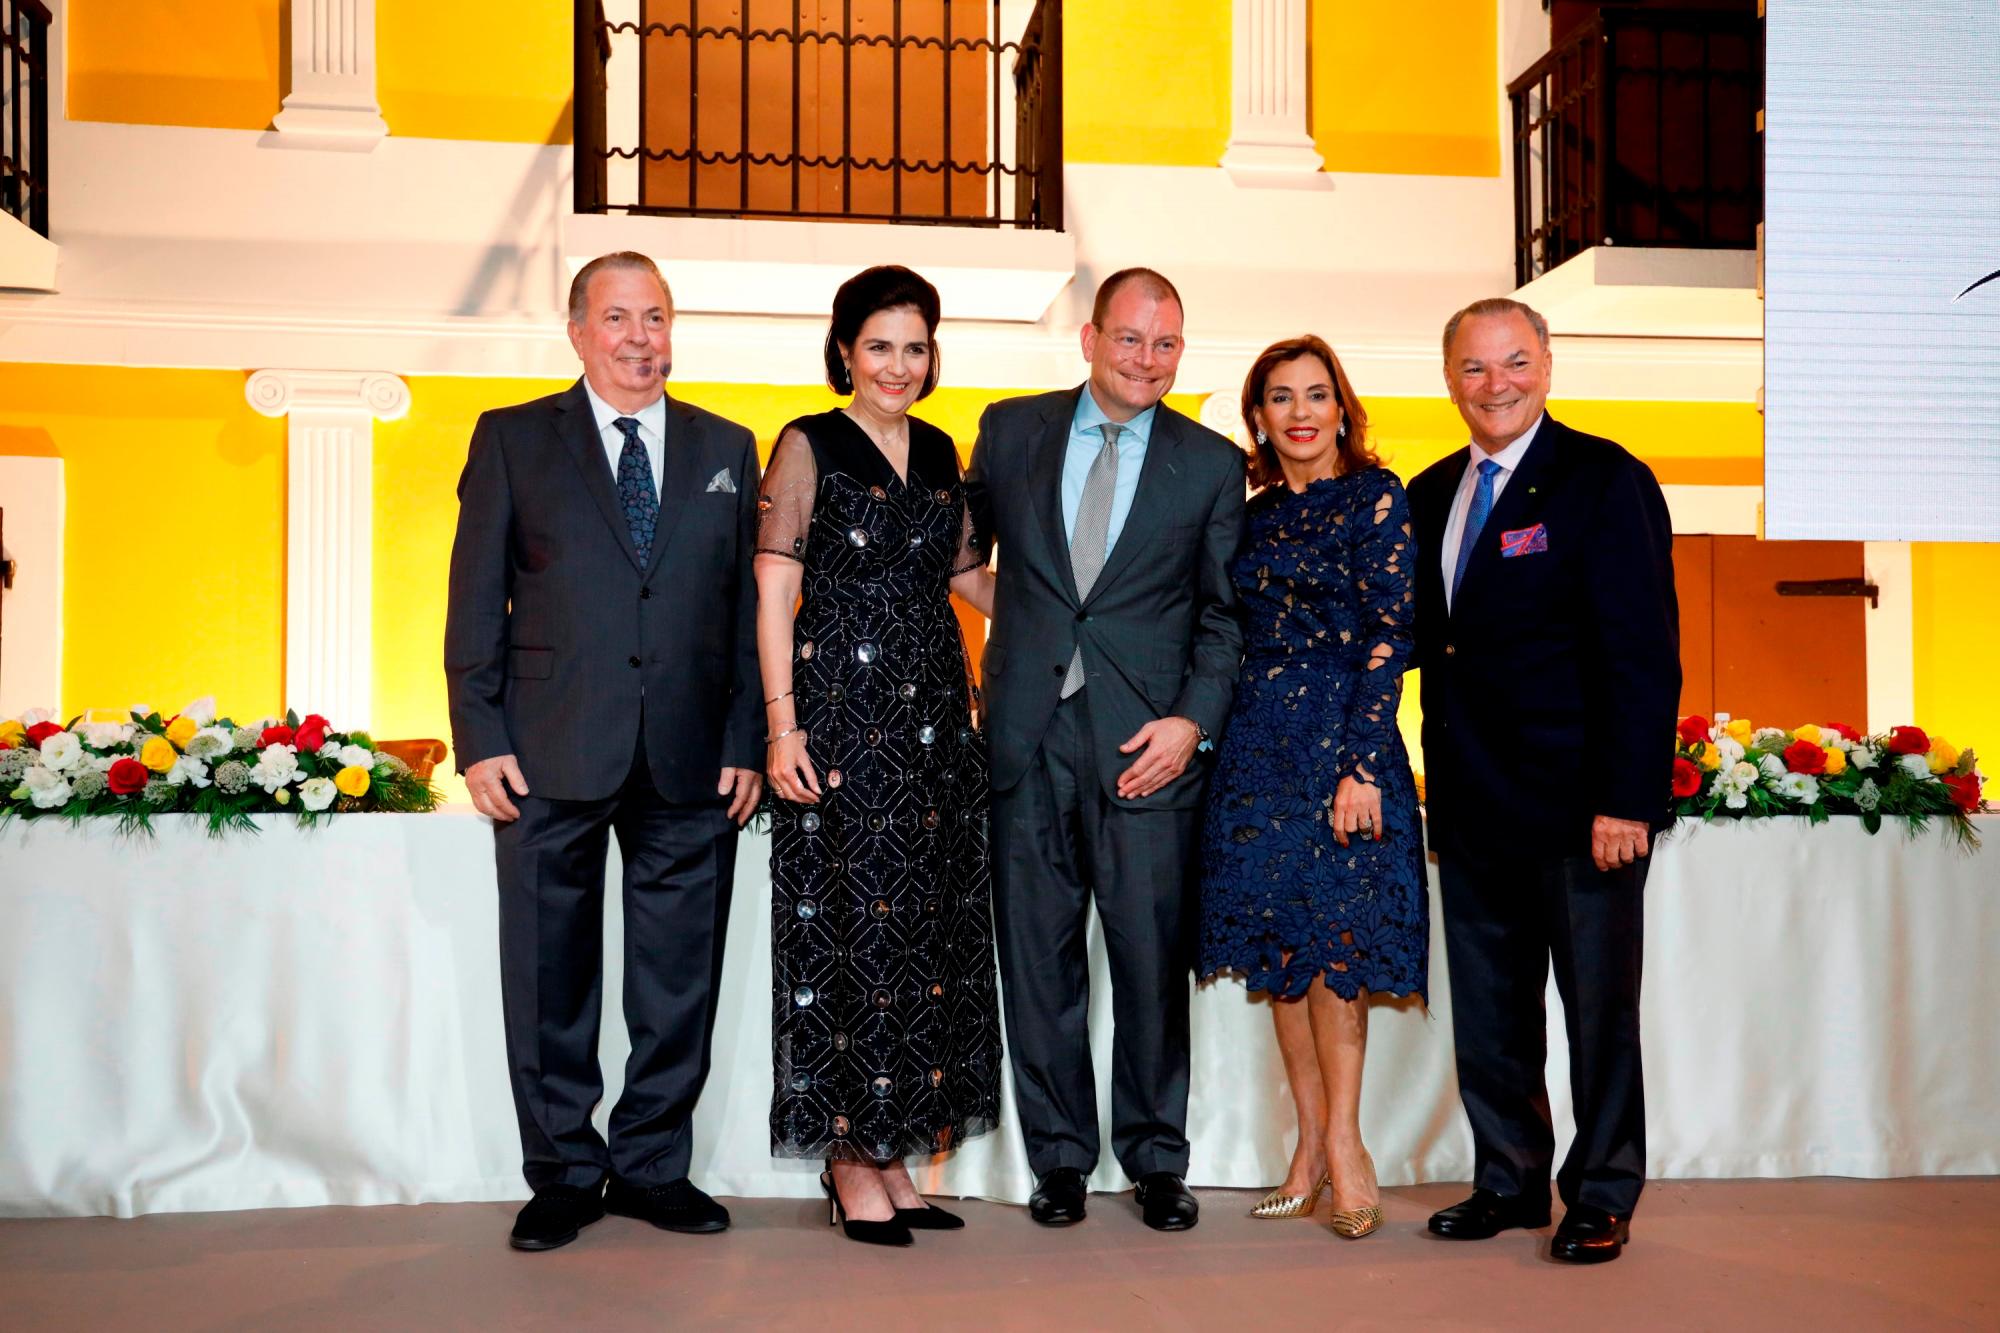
x=1639 y=129
x=24 y=111
x=920 y=111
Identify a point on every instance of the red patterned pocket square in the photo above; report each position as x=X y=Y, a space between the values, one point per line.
x=1524 y=541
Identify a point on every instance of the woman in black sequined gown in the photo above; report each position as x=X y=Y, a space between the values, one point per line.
x=885 y=1022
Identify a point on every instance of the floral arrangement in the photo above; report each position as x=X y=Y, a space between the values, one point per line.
x=1732 y=769
x=195 y=763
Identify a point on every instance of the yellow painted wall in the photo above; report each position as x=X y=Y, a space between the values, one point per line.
x=1957 y=647
x=212 y=63
x=1410 y=89
x=1146 y=83
x=174 y=545
x=475 y=69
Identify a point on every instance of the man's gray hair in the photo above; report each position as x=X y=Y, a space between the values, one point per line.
x=579 y=286
x=1497 y=305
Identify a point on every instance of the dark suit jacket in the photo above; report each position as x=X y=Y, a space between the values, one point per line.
x=1550 y=690
x=554 y=632
x=1160 y=630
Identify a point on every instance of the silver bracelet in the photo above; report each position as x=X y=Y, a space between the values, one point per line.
x=774 y=698
x=788 y=731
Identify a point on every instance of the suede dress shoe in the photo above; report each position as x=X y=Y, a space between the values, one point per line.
x=1058 y=1197
x=1165 y=1201
x=554 y=1216
x=675 y=1206
x=1590 y=1235
x=1486 y=1215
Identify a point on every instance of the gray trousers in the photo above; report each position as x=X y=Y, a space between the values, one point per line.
x=1059 y=841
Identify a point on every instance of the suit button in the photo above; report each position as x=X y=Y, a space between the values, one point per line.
x=1061 y=669
x=645 y=594
x=632 y=661
x=1081 y=618
x=1451 y=650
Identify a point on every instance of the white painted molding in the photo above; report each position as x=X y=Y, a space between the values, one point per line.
x=332 y=103
x=27 y=258
x=329 y=531
x=1270 y=140
x=1891 y=628
x=31 y=491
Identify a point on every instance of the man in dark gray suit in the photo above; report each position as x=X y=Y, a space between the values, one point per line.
x=1113 y=658
x=600 y=650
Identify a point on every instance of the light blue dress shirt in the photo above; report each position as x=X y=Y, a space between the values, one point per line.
x=1085 y=443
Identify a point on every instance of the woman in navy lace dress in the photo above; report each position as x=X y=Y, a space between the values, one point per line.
x=1312 y=856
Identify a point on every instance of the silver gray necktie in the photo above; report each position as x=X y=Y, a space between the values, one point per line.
x=1088 y=543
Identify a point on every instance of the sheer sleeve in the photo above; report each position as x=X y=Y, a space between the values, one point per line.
x=1384 y=560
x=785 y=500
x=971 y=553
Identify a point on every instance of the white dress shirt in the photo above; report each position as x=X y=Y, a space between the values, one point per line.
x=1461 y=503
x=652 y=419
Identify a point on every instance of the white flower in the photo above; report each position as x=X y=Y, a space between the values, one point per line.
x=202 y=710
x=330 y=749
x=103 y=762
x=276 y=767
x=46 y=786
x=1800 y=787
x=210 y=743
x=1772 y=767
x=1868 y=795
x=61 y=750
x=357 y=756
x=1916 y=765
x=104 y=735
x=1768 y=735
x=1735 y=783
x=36 y=716
x=1864 y=756
x=316 y=794
x=187 y=768
x=1729 y=750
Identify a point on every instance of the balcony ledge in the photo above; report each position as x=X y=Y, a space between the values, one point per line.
x=1651 y=292
x=27 y=258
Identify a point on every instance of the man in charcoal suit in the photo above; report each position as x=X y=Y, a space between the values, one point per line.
x=1549 y=641
x=1113 y=658
x=601 y=658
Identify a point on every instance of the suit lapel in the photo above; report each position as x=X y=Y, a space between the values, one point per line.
x=680 y=466
x=580 y=436
x=1515 y=508
x=1045 y=473
x=1161 y=463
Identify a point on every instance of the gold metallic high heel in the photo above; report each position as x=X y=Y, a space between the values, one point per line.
x=1354 y=1223
x=1278 y=1204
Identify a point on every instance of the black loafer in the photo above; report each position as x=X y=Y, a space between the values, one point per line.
x=1058 y=1197
x=554 y=1216
x=1487 y=1214
x=1591 y=1235
x=674 y=1206
x=1165 y=1202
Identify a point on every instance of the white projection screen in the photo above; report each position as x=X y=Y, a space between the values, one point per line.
x=1882 y=208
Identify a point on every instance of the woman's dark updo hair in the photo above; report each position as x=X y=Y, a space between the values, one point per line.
x=885 y=287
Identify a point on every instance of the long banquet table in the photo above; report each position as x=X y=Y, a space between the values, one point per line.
x=313 y=1017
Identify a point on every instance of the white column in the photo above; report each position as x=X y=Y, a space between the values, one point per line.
x=1891 y=630
x=332 y=103
x=329 y=531
x=1270 y=142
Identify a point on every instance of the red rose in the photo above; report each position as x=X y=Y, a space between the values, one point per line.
x=1909 y=740
x=1687 y=778
x=40 y=732
x=1694 y=730
x=1845 y=732
x=1805 y=757
x=1964 y=789
x=127 y=776
x=275 y=736
x=315 y=720
x=311 y=734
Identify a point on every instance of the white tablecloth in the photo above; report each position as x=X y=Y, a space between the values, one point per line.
x=314 y=1018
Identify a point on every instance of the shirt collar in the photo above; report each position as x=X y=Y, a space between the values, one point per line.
x=652 y=417
x=1089 y=416
x=1510 y=457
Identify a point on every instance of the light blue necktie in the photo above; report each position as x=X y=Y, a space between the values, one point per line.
x=1475 y=519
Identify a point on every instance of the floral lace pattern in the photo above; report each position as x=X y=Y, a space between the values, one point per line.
x=1327 y=578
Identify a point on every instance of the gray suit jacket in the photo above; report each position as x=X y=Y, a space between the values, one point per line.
x=554 y=632
x=1160 y=632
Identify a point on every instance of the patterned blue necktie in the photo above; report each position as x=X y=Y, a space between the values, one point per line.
x=635 y=489
x=1475 y=519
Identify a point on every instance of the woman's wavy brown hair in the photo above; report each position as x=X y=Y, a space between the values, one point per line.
x=1354 y=451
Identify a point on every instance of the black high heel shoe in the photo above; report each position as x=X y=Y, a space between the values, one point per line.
x=930 y=1217
x=893 y=1232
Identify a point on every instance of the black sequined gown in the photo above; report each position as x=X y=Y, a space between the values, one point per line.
x=885 y=1018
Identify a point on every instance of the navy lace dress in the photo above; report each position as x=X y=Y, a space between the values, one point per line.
x=1327 y=581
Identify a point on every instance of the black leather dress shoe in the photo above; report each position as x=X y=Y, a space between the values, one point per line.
x=554 y=1216
x=1591 y=1235
x=1165 y=1201
x=1487 y=1214
x=1058 y=1197
x=674 y=1206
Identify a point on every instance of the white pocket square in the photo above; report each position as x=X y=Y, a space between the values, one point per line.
x=722 y=483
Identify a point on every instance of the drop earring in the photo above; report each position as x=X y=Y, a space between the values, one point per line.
x=1261 y=439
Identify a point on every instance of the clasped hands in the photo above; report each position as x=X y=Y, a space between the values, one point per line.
x=492 y=781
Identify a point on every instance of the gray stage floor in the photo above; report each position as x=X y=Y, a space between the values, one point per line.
x=1834 y=1254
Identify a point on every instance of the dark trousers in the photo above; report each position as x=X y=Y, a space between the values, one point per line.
x=1059 y=841
x=678 y=863
x=1507 y=917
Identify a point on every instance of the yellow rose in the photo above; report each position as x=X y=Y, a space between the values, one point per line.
x=1836 y=761
x=158 y=754
x=12 y=733
x=1711 y=759
x=1943 y=756
x=182 y=729
x=1808 y=732
x=352 y=780
x=1739 y=729
x=282 y=796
